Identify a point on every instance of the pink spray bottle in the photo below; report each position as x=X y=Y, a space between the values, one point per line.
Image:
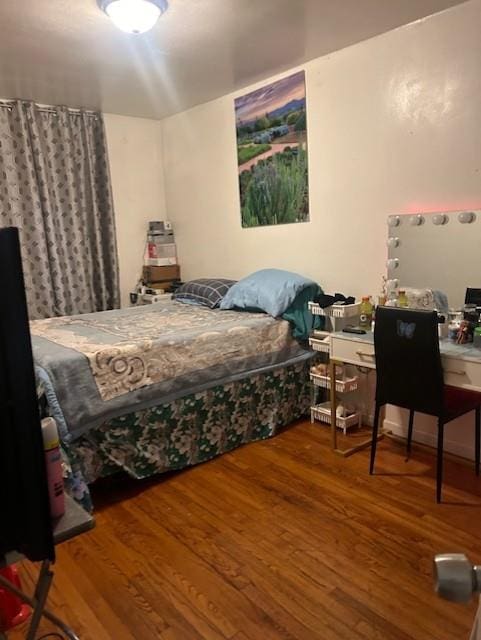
x=53 y=461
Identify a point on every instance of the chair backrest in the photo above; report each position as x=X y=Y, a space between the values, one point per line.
x=408 y=361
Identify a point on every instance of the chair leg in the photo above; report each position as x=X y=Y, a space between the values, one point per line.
x=477 y=439
x=439 y=471
x=375 y=430
x=410 y=434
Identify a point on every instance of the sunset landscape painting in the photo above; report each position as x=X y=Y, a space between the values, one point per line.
x=272 y=153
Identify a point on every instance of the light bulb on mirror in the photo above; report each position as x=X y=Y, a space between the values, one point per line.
x=466 y=217
x=392 y=284
x=416 y=220
x=392 y=263
x=440 y=219
x=394 y=221
x=393 y=242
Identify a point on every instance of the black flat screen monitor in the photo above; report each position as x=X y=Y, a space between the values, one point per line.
x=25 y=524
x=473 y=296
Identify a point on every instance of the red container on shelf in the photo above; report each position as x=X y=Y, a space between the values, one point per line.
x=13 y=611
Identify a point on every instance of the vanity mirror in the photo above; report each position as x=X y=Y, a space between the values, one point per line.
x=436 y=251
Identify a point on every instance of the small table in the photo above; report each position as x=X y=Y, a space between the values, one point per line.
x=74 y=522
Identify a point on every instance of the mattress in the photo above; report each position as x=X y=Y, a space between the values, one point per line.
x=100 y=366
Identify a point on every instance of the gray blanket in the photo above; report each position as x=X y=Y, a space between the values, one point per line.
x=102 y=365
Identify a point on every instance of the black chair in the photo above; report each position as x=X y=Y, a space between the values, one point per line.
x=410 y=375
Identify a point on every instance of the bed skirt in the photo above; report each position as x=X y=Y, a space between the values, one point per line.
x=189 y=430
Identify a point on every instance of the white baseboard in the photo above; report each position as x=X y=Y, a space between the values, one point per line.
x=424 y=437
x=368 y=419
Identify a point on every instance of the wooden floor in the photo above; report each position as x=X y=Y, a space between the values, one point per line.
x=278 y=540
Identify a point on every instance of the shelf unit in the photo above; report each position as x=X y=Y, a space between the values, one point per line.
x=337 y=317
x=322 y=413
x=342 y=386
x=321 y=344
x=336 y=312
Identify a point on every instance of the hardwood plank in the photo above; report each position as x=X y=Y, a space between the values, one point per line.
x=278 y=540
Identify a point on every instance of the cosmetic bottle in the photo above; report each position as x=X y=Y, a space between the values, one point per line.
x=53 y=462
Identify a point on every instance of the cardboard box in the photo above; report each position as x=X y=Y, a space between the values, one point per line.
x=161 y=274
x=164 y=285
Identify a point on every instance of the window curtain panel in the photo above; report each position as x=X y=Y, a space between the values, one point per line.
x=55 y=186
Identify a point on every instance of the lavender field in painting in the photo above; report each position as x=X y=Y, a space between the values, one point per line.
x=272 y=153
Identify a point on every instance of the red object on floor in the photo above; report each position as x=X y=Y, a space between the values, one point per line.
x=12 y=610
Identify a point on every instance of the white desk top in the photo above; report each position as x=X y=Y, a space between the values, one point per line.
x=448 y=348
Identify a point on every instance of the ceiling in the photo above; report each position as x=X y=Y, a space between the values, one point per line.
x=68 y=51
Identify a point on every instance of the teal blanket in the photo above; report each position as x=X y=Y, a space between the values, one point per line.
x=303 y=322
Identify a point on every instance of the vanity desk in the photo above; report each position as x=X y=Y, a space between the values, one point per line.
x=435 y=258
x=461 y=363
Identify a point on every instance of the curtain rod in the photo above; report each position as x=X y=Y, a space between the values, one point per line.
x=45 y=108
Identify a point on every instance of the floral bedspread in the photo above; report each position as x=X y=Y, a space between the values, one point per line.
x=189 y=430
x=99 y=366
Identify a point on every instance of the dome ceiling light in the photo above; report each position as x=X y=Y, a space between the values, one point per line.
x=133 y=16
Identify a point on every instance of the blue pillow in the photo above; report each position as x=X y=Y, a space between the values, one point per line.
x=269 y=290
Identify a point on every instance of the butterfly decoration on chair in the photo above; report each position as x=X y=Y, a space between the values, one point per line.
x=406 y=329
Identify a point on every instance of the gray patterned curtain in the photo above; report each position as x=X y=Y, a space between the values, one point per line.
x=55 y=186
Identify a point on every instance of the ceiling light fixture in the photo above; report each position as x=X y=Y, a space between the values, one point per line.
x=133 y=16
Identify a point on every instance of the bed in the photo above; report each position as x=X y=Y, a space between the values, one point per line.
x=162 y=387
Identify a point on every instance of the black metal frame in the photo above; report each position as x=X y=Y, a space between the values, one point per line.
x=38 y=602
x=440 y=445
x=74 y=522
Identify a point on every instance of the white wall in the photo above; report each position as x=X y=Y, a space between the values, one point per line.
x=458 y=434
x=393 y=125
x=135 y=154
